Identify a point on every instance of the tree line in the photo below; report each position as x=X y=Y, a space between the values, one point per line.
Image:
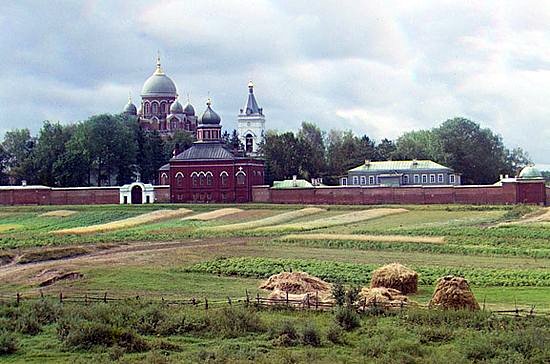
x=461 y=144
x=112 y=150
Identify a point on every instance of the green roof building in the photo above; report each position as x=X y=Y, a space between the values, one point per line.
x=401 y=173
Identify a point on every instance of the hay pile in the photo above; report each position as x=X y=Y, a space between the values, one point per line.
x=300 y=300
x=395 y=276
x=453 y=293
x=295 y=283
x=383 y=297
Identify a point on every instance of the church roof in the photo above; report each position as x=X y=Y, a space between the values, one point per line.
x=251 y=107
x=380 y=166
x=165 y=167
x=209 y=117
x=204 y=151
x=159 y=84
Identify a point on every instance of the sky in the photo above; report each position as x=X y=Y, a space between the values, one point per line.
x=379 y=68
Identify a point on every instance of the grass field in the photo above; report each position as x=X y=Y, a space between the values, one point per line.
x=216 y=252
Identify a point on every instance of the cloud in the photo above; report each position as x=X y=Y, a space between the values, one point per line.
x=378 y=68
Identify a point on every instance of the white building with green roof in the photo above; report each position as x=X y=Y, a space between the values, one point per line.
x=401 y=173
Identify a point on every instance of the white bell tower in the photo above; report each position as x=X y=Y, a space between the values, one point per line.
x=251 y=123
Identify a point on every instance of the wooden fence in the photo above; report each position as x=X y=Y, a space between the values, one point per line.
x=310 y=302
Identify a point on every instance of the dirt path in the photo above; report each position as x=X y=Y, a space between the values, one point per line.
x=119 y=253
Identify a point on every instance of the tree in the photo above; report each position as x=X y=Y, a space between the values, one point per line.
x=516 y=159
x=182 y=138
x=19 y=145
x=312 y=142
x=50 y=148
x=74 y=166
x=282 y=155
x=384 y=150
x=421 y=144
x=234 y=142
x=475 y=152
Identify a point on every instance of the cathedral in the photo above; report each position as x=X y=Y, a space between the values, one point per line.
x=161 y=110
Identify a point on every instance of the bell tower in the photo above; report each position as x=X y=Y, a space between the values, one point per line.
x=251 y=123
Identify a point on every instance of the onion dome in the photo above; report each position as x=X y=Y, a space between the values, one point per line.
x=130 y=108
x=189 y=109
x=159 y=84
x=530 y=172
x=176 y=108
x=209 y=117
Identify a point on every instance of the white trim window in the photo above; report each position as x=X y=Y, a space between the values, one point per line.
x=424 y=178
x=344 y=181
x=440 y=178
x=371 y=180
x=432 y=178
x=405 y=179
x=452 y=178
x=355 y=180
x=416 y=179
x=363 y=180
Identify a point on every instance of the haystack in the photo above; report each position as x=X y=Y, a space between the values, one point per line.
x=299 y=300
x=395 y=276
x=382 y=296
x=295 y=283
x=453 y=293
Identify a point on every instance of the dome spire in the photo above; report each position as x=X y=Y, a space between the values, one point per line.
x=159 y=70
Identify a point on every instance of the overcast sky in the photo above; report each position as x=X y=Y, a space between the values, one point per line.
x=378 y=68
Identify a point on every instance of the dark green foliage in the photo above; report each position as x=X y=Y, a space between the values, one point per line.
x=235 y=321
x=335 y=335
x=347 y=318
x=339 y=293
x=285 y=335
x=311 y=336
x=8 y=343
x=517 y=211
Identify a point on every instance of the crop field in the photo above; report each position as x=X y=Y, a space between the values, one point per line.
x=151 y=254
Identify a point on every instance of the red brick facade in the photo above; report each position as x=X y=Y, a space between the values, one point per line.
x=508 y=193
x=215 y=181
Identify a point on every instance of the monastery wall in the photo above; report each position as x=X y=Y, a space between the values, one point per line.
x=508 y=193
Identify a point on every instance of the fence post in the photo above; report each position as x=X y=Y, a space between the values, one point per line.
x=258 y=298
x=307 y=299
x=105 y=298
x=18 y=298
x=247 y=297
x=193 y=301
x=205 y=303
x=532 y=311
x=41 y=294
x=229 y=300
x=60 y=297
x=286 y=298
x=364 y=304
x=86 y=299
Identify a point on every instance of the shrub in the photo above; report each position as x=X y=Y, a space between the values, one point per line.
x=310 y=336
x=347 y=318
x=286 y=335
x=339 y=293
x=28 y=324
x=234 y=322
x=352 y=294
x=8 y=343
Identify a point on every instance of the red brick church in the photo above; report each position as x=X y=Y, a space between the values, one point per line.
x=208 y=171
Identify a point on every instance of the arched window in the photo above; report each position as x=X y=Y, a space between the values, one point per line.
x=201 y=179
x=240 y=178
x=155 y=108
x=208 y=179
x=163 y=108
x=179 y=179
x=249 y=140
x=173 y=124
x=223 y=178
x=163 y=179
x=195 y=179
x=146 y=108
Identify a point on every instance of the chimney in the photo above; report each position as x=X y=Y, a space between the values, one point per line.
x=24 y=182
x=414 y=162
x=367 y=162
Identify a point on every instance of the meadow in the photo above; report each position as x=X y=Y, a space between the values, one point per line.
x=201 y=252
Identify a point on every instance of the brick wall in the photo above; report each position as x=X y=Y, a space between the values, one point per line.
x=41 y=195
x=508 y=193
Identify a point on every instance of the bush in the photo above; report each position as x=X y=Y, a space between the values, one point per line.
x=286 y=335
x=310 y=336
x=234 y=322
x=347 y=318
x=339 y=293
x=8 y=343
x=28 y=324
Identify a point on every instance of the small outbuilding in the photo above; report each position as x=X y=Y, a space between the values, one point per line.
x=137 y=193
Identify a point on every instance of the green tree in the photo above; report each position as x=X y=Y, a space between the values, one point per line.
x=282 y=155
x=74 y=167
x=50 y=149
x=477 y=153
x=312 y=142
x=19 y=145
x=421 y=144
x=384 y=150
